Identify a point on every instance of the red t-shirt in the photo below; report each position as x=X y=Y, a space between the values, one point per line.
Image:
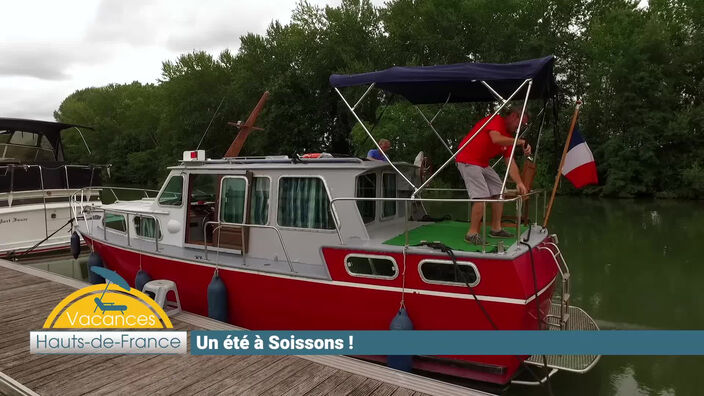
x=481 y=149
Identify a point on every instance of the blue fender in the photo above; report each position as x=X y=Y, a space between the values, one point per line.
x=401 y=322
x=217 y=299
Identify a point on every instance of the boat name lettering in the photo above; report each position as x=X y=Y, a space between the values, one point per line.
x=13 y=220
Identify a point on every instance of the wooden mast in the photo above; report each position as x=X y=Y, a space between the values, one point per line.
x=562 y=162
x=246 y=128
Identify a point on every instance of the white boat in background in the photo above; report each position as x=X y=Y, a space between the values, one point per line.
x=35 y=186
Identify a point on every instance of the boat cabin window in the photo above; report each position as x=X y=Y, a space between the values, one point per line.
x=388 y=191
x=173 y=192
x=146 y=227
x=25 y=146
x=366 y=188
x=232 y=199
x=304 y=203
x=115 y=222
x=445 y=272
x=371 y=266
x=260 y=201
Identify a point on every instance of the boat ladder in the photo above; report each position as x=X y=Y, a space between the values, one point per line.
x=559 y=319
x=562 y=316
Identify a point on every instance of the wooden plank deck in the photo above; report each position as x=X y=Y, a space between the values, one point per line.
x=28 y=295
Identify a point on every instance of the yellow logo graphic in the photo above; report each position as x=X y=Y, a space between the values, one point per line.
x=114 y=305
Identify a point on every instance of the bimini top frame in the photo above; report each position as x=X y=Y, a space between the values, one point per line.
x=462 y=82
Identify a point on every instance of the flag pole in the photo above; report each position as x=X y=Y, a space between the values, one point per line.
x=562 y=162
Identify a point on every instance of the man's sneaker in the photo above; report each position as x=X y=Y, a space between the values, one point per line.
x=474 y=239
x=500 y=234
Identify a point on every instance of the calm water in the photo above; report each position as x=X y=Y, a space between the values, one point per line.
x=634 y=265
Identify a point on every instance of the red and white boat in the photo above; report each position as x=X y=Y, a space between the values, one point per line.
x=337 y=243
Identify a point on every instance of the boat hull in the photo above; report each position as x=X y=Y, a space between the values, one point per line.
x=266 y=301
x=23 y=226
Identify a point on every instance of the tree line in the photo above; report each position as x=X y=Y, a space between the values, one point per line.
x=637 y=67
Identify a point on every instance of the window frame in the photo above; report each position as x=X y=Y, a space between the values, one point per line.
x=381 y=212
x=268 y=206
x=124 y=220
x=373 y=203
x=373 y=256
x=448 y=283
x=246 y=198
x=37 y=144
x=163 y=190
x=333 y=212
x=156 y=227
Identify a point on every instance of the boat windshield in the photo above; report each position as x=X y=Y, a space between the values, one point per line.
x=21 y=146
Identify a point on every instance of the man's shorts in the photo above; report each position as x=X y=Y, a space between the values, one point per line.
x=480 y=182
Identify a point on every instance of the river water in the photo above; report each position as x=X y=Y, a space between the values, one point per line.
x=634 y=265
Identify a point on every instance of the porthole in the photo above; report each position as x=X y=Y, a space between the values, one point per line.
x=371 y=266
x=445 y=272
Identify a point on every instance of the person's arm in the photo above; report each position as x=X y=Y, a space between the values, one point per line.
x=501 y=140
x=516 y=176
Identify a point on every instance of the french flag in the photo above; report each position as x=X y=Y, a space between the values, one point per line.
x=579 y=166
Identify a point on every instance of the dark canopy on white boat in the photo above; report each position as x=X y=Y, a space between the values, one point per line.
x=461 y=82
x=34 y=171
x=52 y=131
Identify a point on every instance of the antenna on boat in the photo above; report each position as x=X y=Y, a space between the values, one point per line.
x=245 y=128
x=210 y=123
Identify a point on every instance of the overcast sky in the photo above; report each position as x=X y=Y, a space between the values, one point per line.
x=50 y=48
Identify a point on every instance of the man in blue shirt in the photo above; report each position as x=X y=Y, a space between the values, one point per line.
x=375 y=154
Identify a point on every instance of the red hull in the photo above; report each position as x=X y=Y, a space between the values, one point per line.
x=264 y=301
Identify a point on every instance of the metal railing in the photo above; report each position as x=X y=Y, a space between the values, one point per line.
x=111 y=189
x=81 y=198
x=518 y=200
x=242 y=225
x=127 y=214
x=11 y=168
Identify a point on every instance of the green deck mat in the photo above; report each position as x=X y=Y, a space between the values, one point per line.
x=451 y=233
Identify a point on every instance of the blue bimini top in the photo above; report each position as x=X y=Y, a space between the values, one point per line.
x=460 y=81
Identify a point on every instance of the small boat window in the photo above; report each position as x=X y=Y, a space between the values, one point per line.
x=371 y=266
x=115 y=222
x=232 y=199
x=389 y=191
x=366 y=188
x=446 y=272
x=173 y=192
x=25 y=146
x=25 y=138
x=304 y=203
x=146 y=227
x=260 y=201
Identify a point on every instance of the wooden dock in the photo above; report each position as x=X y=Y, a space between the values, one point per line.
x=28 y=295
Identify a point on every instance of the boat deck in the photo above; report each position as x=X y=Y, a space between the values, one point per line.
x=452 y=233
x=27 y=296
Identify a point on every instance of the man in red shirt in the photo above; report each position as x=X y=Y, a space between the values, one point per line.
x=481 y=180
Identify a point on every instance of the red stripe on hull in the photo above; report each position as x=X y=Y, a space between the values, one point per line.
x=261 y=301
